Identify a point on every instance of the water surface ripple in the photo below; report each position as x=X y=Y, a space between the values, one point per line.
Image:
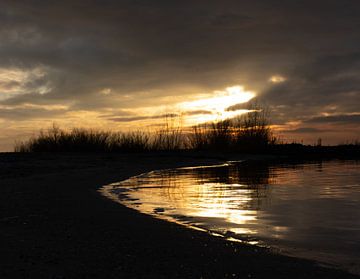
x=309 y=210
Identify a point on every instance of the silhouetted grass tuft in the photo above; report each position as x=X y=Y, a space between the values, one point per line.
x=88 y=140
x=249 y=132
x=83 y=140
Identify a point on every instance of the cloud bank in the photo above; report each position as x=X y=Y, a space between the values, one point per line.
x=99 y=60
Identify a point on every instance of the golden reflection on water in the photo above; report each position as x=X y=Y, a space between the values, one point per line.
x=216 y=198
x=312 y=208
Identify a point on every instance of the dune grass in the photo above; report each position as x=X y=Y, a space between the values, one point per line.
x=249 y=132
x=89 y=140
x=221 y=136
x=215 y=136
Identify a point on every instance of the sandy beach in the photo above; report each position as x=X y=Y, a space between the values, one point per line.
x=55 y=224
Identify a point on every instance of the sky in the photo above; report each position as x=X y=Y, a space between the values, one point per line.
x=125 y=65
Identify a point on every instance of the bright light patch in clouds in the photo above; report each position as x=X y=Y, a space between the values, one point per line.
x=277 y=79
x=217 y=104
x=205 y=107
x=11 y=80
x=15 y=81
x=105 y=91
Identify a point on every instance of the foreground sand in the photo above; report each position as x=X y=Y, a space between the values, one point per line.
x=54 y=224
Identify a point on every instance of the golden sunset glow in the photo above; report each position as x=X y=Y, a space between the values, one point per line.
x=277 y=79
x=195 y=109
x=216 y=107
x=105 y=91
x=221 y=100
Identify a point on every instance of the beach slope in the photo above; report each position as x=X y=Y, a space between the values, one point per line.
x=55 y=224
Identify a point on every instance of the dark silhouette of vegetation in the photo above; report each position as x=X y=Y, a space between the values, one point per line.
x=253 y=129
x=88 y=140
x=82 y=140
x=170 y=137
x=217 y=135
x=248 y=133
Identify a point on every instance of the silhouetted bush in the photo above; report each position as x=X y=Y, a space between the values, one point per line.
x=252 y=130
x=248 y=132
x=199 y=138
x=81 y=140
x=170 y=137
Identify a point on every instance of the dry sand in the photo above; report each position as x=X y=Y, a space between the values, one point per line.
x=54 y=224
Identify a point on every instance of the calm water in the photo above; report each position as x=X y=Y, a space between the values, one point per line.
x=309 y=210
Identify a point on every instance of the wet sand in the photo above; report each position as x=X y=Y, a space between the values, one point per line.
x=54 y=224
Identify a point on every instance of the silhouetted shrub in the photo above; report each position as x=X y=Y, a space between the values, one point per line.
x=252 y=130
x=83 y=140
x=248 y=132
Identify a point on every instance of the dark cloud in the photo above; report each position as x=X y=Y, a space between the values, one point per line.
x=23 y=114
x=9 y=85
x=343 y=118
x=328 y=84
x=305 y=130
x=231 y=20
x=238 y=107
x=138 y=118
x=197 y=112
